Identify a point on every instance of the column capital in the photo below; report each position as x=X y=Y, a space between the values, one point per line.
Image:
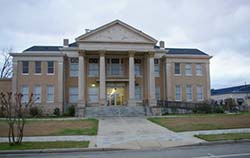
x=151 y=54
x=102 y=52
x=131 y=53
x=82 y=52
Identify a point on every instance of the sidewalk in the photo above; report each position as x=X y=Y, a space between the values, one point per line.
x=134 y=133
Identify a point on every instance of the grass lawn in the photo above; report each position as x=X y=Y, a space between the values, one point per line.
x=45 y=145
x=55 y=127
x=203 y=122
x=228 y=136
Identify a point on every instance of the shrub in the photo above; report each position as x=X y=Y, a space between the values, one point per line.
x=219 y=109
x=57 y=112
x=71 y=110
x=35 y=111
x=204 y=108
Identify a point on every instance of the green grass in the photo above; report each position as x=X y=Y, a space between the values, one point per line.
x=53 y=127
x=194 y=122
x=228 y=136
x=45 y=145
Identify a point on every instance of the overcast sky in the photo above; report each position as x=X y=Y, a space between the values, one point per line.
x=219 y=28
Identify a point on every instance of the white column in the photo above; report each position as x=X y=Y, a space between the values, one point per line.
x=102 y=78
x=60 y=82
x=208 y=81
x=14 y=78
x=168 y=82
x=131 y=99
x=151 y=80
x=81 y=87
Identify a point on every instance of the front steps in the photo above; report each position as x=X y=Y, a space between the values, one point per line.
x=116 y=111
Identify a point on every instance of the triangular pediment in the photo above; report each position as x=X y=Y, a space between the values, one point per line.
x=116 y=31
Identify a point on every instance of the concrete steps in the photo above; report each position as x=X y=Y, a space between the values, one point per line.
x=116 y=111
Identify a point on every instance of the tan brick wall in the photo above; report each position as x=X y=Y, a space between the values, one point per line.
x=5 y=85
x=184 y=80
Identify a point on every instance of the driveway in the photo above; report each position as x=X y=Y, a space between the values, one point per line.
x=137 y=133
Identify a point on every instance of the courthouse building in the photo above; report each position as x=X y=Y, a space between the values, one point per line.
x=112 y=65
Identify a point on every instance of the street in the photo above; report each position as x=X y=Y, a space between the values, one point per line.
x=235 y=150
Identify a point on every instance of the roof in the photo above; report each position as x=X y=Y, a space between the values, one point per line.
x=43 y=48
x=153 y=40
x=184 y=51
x=230 y=90
x=48 y=48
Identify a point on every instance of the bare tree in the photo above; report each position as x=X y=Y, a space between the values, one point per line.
x=15 y=113
x=6 y=64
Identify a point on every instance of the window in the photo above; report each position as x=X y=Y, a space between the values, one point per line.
x=25 y=93
x=50 y=67
x=188 y=70
x=93 y=69
x=93 y=93
x=25 y=67
x=73 y=94
x=73 y=67
x=157 y=68
x=157 y=93
x=177 y=68
x=138 y=93
x=199 y=93
x=50 y=94
x=198 y=69
x=178 y=92
x=115 y=67
x=37 y=94
x=38 y=67
x=138 y=67
x=189 y=96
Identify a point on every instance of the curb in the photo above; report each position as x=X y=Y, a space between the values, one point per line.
x=64 y=150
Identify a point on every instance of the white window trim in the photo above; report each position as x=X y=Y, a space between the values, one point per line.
x=180 y=70
x=186 y=70
x=74 y=94
x=97 y=95
x=141 y=94
x=47 y=101
x=180 y=93
x=191 y=93
x=40 y=98
x=202 y=91
x=196 y=70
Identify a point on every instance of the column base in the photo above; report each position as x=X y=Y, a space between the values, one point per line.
x=103 y=102
x=152 y=102
x=131 y=102
x=80 y=110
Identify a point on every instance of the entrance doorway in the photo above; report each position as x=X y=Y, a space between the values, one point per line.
x=115 y=95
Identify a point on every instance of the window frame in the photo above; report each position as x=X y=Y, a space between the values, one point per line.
x=52 y=94
x=93 y=66
x=73 y=67
x=35 y=94
x=50 y=68
x=177 y=74
x=197 y=70
x=157 y=89
x=72 y=95
x=187 y=93
x=27 y=67
x=186 y=69
x=25 y=96
x=202 y=93
x=36 y=66
x=180 y=93
x=138 y=66
x=112 y=65
x=157 y=64
x=96 y=94
x=138 y=94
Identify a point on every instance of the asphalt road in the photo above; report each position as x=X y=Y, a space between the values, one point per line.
x=236 y=150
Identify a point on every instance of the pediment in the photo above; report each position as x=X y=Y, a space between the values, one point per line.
x=116 y=32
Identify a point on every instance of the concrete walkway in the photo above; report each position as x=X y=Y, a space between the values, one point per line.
x=137 y=133
x=133 y=133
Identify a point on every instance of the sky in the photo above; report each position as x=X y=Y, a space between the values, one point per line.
x=221 y=28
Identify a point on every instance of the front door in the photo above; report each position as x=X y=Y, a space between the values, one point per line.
x=115 y=95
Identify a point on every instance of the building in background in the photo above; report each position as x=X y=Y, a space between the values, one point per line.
x=112 y=65
x=240 y=94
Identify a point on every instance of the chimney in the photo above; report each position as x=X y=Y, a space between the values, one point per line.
x=87 y=30
x=65 y=42
x=162 y=45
